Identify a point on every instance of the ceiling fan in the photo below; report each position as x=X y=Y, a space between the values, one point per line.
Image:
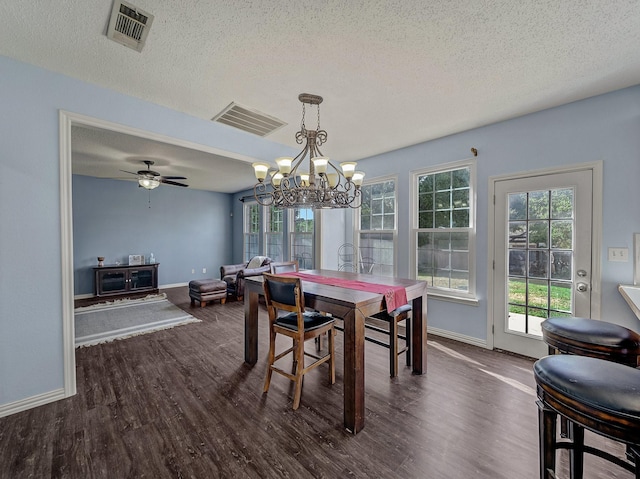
x=150 y=179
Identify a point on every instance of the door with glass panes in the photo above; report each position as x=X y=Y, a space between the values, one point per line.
x=542 y=256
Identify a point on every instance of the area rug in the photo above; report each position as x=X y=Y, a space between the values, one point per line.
x=119 y=320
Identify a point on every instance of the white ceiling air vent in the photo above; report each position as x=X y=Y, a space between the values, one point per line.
x=248 y=120
x=129 y=25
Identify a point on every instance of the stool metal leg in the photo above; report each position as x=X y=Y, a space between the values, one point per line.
x=547 y=440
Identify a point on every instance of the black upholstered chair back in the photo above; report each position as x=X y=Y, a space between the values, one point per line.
x=284 y=293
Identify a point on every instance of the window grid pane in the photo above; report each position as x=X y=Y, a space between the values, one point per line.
x=251 y=231
x=301 y=238
x=376 y=236
x=443 y=231
x=274 y=234
x=540 y=256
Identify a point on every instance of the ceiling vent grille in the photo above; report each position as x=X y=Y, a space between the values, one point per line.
x=248 y=120
x=129 y=25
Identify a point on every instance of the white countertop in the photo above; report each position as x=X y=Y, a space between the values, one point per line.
x=631 y=294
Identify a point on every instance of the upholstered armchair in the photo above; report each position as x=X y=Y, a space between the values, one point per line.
x=234 y=274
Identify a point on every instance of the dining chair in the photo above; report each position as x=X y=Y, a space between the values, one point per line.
x=280 y=267
x=392 y=320
x=287 y=316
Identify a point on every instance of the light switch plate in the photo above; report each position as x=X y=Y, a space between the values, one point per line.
x=619 y=254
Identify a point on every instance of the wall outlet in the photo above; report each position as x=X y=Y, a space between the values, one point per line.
x=204 y=270
x=619 y=254
x=193 y=271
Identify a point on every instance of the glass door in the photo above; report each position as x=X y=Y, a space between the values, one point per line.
x=542 y=256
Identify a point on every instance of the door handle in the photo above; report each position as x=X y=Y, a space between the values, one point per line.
x=582 y=287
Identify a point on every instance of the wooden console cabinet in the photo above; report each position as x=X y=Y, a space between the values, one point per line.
x=115 y=280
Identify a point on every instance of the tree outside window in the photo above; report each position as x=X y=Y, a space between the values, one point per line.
x=301 y=237
x=251 y=231
x=445 y=233
x=274 y=234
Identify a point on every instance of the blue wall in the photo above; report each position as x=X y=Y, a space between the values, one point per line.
x=605 y=127
x=31 y=346
x=184 y=229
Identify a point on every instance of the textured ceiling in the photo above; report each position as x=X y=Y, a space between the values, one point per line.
x=392 y=73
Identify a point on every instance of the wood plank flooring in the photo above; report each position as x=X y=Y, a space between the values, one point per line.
x=181 y=403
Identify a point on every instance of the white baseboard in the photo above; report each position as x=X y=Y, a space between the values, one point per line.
x=31 y=402
x=83 y=296
x=175 y=285
x=457 y=337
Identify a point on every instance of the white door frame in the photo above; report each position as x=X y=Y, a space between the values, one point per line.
x=66 y=121
x=596 y=168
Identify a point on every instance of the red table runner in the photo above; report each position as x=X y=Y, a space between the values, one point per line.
x=394 y=296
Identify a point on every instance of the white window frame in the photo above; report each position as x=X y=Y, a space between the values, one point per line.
x=358 y=227
x=266 y=210
x=439 y=292
x=293 y=233
x=245 y=212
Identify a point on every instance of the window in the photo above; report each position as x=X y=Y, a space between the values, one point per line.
x=301 y=237
x=377 y=228
x=274 y=233
x=251 y=231
x=444 y=230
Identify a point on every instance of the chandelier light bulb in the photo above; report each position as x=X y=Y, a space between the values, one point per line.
x=304 y=178
x=348 y=168
x=276 y=178
x=284 y=165
x=332 y=178
x=260 y=170
x=358 y=177
x=320 y=164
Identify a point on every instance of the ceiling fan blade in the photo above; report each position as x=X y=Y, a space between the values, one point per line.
x=174 y=177
x=148 y=173
x=174 y=183
x=130 y=172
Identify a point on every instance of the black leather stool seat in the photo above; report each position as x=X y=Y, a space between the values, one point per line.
x=594 y=338
x=601 y=396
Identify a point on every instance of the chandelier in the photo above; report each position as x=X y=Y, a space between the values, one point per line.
x=310 y=179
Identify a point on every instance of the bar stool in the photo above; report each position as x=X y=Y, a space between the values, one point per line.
x=601 y=396
x=593 y=338
x=392 y=319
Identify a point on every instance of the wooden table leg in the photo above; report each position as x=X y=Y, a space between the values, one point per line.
x=354 y=371
x=419 y=334
x=250 y=327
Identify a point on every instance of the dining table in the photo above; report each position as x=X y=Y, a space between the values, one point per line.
x=352 y=306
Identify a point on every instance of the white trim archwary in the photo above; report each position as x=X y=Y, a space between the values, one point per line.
x=67 y=120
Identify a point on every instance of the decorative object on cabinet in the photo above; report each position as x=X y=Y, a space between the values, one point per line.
x=112 y=280
x=136 y=259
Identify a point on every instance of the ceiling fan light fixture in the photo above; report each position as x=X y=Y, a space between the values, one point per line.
x=149 y=183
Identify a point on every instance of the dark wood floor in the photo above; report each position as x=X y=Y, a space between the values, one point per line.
x=181 y=403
